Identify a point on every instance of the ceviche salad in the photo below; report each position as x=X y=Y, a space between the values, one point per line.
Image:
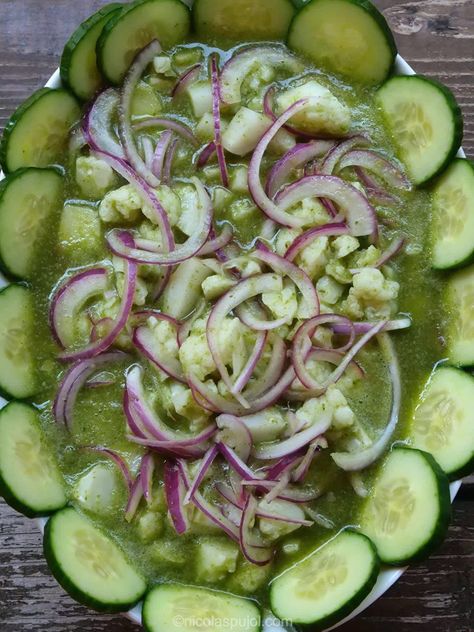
x=233 y=346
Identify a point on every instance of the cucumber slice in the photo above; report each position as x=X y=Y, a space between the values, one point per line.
x=18 y=377
x=37 y=133
x=89 y=565
x=460 y=330
x=129 y=31
x=349 y=37
x=425 y=121
x=177 y=608
x=407 y=514
x=453 y=209
x=329 y=584
x=79 y=62
x=443 y=421
x=28 y=198
x=243 y=19
x=30 y=480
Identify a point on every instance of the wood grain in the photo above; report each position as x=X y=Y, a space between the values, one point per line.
x=437 y=38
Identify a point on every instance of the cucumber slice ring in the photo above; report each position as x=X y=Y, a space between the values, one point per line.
x=37 y=133
x=350 y=37
x=89 y=565
x=129 y=31
x=78 y=62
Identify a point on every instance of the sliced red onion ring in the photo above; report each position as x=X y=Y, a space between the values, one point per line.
x=209 y=510
x=393 y=250
x=141 y=317
x=364 y=327
x=228 y=493
x=147 y=470
x=244 y=290
x=186 y=79
x=206 y=154
x=216 y=114
x=268 y=110
x=154 y=425
x=170 y=156
x=244 y=60
x=147 y=194
x=254 y=316
x=354 y=461
x=118 y=460
x=376 y=163
x=374 y=191
x=180 y=253
x=259 y=555
x=235 y=434
x=307 y=238
x=236 y=463
x=206 y=463
x=254 y=358
x=170 y=449
x=290 y=493
x=296 y=442
x=309 y=306
x=301 y=471
x=98 y=123
x=100 y=381
x=272 y=372
x=167 y=123
x=99 y=346
x=299 y=353
x=142 y=60
x=134 y=499
x=295 y=158
x=160 y=153
x=358 y=212
x=146 y=342
x=218 y=242
x=147 y=146
x=282 y=511
x=330 y=162
x=285 y=464
x=175 y=490
x=70 y=298
x=187 y=325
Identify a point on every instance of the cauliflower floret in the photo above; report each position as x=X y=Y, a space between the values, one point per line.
x=322 y=337
x=165 y=334
x=282 y=304
x=327 y=114
x=312 y=212
x=284 y=239
x=189 y=202
x=334 y=402
x=123 y=204
x=185 y=405
x=366 y=258
x=94 y=177
x=337 y=270
x=169 y=201
x=239 y=179
x=216 y=285
x=141 y=288
x=344 y=245
x=314 y=257
x=275 y=529
x=215 y=559
x=162 y=65
x=329 y=290
x=372 y=295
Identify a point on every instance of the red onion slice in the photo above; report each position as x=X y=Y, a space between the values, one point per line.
x=309 y=306
x=254 y=316
x=142 y=60
x=354 y=461
x=301 y=471
x=160 y=153
x=254 y=358
x=206 y=154
x=374 y=191
x=145 y=341
x=99 y=126
x=170 y=156
x=169 y=449
x=235 y=434
x=296 y=442
x=216 y=114
x=222 y=240
x=228 y=493
x=119 y=462
x=167 y=123
x=295 y=158
x=134 y=499
x=186 y=79
x=282 y=511
x=236 y=463
x=204 y=466
x=364 y=327
x=99 y=346
x=268 y=110
x=180 y=253
x=147 y=146
x=376 y=163
x=307 y=238
x=147 y=470
x=70 y=298
x=356 y=209
x=259 y=555
x=175 y=490
x=330 y=162
x=244 y=60
x=392 y=251
x=272 y=372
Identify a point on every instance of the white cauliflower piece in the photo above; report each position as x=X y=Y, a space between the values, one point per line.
x=215 y=559
x=371 y=295
x=162 y=65
x=189 y=203
x=169 y=201
x=165 y=334
x=329 y=290
x=366 y=258
x=216 y=285
x=337 y=270
x=94 y=177
x=327 y=114
x=285 y=237
x=312 y=212
x=284 y=303
x=123 y=204
x=185 y=405
x=314 y=257
x=141 y=288
x=343 y=416
x=344 y=245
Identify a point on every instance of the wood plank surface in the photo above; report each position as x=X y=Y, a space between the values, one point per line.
x=437 y=38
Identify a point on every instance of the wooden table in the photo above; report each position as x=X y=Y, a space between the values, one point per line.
x=437 y=36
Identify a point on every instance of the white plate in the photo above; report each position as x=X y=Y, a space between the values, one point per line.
x=388 y=576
